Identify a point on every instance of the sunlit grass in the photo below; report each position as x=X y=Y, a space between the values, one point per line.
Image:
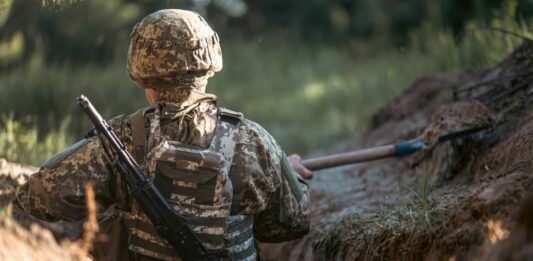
x=20 y=142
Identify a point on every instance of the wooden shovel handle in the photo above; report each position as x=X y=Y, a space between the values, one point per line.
x=356 y=156
x=350 y=157
x=396 y=150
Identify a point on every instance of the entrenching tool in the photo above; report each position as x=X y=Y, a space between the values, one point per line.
x=386 y=151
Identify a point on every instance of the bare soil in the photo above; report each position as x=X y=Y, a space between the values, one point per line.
x=24 y=237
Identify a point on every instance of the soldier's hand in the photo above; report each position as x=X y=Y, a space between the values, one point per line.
x=297 y=166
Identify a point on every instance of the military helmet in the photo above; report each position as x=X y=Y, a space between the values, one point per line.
x=173 y=48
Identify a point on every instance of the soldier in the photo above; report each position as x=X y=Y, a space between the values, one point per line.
x=225 y=174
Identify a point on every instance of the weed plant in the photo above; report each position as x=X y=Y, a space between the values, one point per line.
x=398 y=231
x=20 y=142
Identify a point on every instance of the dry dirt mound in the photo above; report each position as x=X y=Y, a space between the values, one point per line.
x=29 y=238
x=459 y=201
x=11 y=175
x=18 y=243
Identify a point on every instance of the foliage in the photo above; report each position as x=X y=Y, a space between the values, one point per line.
x=77 y=31
x=19 y=142
x=307 y=95
x=482 y=43
x=50 y=93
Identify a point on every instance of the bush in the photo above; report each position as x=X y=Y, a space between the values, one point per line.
x=19 y=142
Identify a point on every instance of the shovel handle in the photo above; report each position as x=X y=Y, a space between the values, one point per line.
x=357 y=156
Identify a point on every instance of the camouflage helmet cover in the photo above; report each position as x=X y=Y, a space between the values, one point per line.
x=173 y=48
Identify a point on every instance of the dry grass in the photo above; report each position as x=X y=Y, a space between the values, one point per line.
x=90 y=227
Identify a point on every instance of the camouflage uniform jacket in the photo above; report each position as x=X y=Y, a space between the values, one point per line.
x=264 y=184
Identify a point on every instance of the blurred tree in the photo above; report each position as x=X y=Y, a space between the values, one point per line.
x=105 y=27
x=456 y=13
x=525 y=8
x=19 y=26
x=74 y=31
x=403 y=16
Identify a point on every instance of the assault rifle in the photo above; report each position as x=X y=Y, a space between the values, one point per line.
x=168 y=224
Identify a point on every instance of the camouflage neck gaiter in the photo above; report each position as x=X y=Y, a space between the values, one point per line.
x=187 y=90
x=184 y=97
x=190 y=113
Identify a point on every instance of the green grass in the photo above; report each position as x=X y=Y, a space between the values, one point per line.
x=399 y=231
x=20 y=141
x=308 y=96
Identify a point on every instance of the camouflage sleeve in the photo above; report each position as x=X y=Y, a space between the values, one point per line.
x=266 y=186
x=286 y=216
x=57 y=190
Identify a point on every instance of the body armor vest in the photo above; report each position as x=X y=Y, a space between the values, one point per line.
x=196 y=183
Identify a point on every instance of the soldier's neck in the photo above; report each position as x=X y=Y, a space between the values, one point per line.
x=184 y=96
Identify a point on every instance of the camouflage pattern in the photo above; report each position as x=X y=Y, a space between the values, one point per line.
x=181 y=94
x=196 y=183
x=173 y=48
x=265 y=188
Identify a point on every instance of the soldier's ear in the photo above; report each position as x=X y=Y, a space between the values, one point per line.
x=151 y=95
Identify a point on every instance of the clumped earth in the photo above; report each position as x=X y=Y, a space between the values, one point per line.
x=468 y=199
x=26 y=238
x=37 y=243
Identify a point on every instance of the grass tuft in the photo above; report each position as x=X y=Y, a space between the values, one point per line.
x=20 y=142
x=400 y=231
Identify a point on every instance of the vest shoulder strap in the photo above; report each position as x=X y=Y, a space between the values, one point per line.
x=138 y=135
x=227 y=128
x=230 y=115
